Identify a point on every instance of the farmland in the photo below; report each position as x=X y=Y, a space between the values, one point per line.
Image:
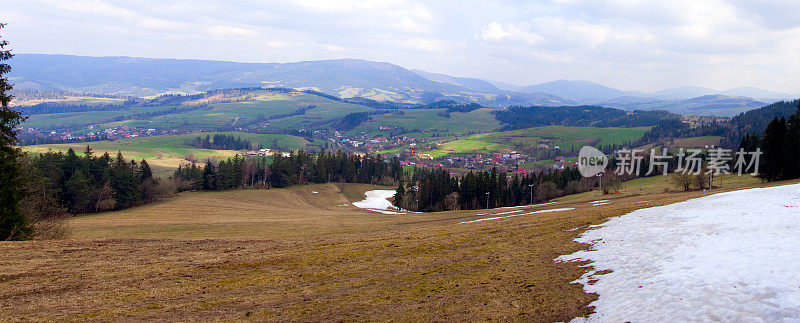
x=255 y=254
x=210 y=113
x=424 y=122
x=567 y=138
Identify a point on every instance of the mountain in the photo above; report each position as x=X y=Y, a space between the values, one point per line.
x=684 y=92
x=470 y=83
x=709 y=105
x=507 y=86
x=758 y=93
x=342 y=77
x=580 y=91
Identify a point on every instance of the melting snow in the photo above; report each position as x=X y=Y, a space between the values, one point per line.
x=378 y=201
x=513 y=215
x=727 y=257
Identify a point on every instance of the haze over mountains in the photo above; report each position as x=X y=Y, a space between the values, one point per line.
x=356 y=78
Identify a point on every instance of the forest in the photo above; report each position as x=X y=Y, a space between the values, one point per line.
x=298 y=168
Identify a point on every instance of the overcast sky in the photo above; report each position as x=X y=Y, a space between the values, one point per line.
x=631 y=45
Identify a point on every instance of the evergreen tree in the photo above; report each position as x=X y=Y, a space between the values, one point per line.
x=399 y=194
x=209 y=178
x=144 y=171
x=123 y=183
x=13 y=225
x=773 y=147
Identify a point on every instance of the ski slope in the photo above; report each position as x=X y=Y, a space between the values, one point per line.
x=727 y=257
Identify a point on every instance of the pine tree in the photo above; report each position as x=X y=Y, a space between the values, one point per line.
x=209 y=178
x=13 y=225
x=144 y=171
x=399 y=194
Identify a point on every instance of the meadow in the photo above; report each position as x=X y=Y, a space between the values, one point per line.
x=567 y=138
x=424 y=122
x=304 y=253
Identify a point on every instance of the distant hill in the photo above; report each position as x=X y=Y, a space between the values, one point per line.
x=470 y=83
x=342 y=77
x=684 y=92
x=579 y=91
x=709 y=105
x=760 y=94
x=756 y=121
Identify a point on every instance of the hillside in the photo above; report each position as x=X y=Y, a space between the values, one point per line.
x=147 y=76
x=238 y=254
x=222 y=110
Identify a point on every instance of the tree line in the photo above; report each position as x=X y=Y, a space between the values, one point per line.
x=780 y=144
x=220 y=142
x=89 y=183
x=432 y=190
x=283 y=171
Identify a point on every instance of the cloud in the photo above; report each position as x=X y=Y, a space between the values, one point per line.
x=642 y=44
x=230 y=31
x=497 y=32
x=424 y=44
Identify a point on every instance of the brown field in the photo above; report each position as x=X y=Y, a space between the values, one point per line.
x=290 y=254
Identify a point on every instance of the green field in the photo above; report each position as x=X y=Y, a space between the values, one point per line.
x=567 y=138
x=165 y=153
x=417 y=121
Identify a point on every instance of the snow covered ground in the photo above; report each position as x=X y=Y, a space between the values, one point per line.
x=726 y=257
x=378 y=201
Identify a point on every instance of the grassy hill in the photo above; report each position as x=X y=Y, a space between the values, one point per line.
x=425 y=122
x=567 y=138
x=259 y=109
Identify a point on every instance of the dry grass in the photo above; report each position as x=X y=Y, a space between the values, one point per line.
x=312 y=260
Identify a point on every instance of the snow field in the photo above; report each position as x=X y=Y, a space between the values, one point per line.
x=727 y=257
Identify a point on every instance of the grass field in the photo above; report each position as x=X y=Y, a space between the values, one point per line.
x=417 y=120
x=565 y=137
x=296 y=255
x=165 y=153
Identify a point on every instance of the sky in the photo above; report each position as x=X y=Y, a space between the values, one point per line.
x=630 y=45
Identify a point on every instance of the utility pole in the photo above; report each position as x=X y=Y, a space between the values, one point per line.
x=531 y=186
x=710 y=180
x=487 y=200
x=601 y=186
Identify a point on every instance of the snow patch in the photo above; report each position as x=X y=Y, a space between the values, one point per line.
x=378 y=201
x=513 y=215
x=725 y=257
